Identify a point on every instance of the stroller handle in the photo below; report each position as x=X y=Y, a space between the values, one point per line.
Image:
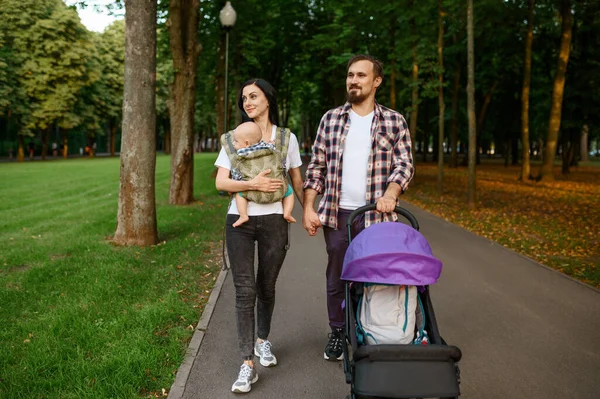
x=371 y=207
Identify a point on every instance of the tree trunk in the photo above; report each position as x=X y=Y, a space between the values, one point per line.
x=113 y=139
x=557 y=93
x=65 y=153
x=487 y=99
x=471 y=107
x=525 y=159
x=45 y=140
x=584 y=143
x=442 y=106
x=167 y=136
x=108 y=131
x=21 y=149
x=414 y=113
x=136 y=217
x=393 y=62
x=92 y=152
x=220 y=86
x=565 y=155
x=183 y=28
x=425 y=136
x=454 y=124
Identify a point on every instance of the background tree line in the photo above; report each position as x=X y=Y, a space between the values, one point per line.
x=535 y=85
x=59 y=79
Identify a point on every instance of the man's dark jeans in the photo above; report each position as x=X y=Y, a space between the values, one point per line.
x=270 y=232
x=336 y=242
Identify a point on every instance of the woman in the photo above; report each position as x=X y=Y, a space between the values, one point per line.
x=266 y=226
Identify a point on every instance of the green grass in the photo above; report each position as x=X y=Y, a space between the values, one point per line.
x=82 y=318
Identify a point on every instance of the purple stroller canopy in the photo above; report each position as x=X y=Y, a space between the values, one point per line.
x=391 y=253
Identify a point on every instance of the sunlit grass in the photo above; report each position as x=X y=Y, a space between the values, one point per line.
x=82 y=318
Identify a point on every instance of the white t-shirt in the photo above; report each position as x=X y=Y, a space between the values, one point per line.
x=357 y=147
x=293 y=161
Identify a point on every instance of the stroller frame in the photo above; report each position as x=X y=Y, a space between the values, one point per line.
x=398 y=371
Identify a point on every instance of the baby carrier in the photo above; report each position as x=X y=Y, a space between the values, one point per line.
x=394 y=351
x=259 y=161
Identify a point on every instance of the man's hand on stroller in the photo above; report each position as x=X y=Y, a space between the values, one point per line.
x=387 y=203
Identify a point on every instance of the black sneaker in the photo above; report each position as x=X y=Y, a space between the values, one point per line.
x=333 y=350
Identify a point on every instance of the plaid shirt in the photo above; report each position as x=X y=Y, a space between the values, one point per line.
x=390 y=160
x=261 y=145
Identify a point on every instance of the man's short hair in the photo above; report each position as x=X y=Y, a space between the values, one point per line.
x=377 y=65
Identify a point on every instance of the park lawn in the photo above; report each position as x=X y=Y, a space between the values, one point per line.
x=554 y=223
x=82 y=318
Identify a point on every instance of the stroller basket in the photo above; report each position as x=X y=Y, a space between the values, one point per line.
x=406 y=371
x=396 y=371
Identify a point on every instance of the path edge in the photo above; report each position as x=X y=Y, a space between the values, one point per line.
x=178 y=388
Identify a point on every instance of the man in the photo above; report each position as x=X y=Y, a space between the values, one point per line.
x=375 y=143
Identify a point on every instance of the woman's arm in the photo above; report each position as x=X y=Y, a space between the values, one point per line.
x=224 y=182
x=297 y=184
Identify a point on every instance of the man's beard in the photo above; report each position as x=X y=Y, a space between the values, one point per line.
x=353 y=98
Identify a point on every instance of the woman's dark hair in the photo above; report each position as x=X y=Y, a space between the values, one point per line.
x=271 y=98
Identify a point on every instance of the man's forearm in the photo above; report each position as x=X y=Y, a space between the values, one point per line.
x=309 y=198
x=393 y=191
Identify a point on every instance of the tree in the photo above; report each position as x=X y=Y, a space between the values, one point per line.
x=442 y=106
x=414 y=107
x=185 y=49
x=136 y=218
x=55 y=69
x=471 y=107
x=111 y=48
x=557 y=92
x=525 y=164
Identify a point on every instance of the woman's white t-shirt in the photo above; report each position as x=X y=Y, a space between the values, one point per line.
x=293 y=161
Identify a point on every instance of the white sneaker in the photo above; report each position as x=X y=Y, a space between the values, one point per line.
x=246 y=378
x=263 y=351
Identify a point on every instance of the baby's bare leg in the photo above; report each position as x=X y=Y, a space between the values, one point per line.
x=242 y=206
x=288 y=207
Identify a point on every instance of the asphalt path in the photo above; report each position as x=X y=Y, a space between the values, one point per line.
x=525 y=331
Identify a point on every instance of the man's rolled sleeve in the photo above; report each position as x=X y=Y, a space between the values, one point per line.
x=315 y=176
x=402 y=162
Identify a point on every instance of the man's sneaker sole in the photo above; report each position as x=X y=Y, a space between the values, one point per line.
x=266 y=363
x=341 y=357
x=247 y=388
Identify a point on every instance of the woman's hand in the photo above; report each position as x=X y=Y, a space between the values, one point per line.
x=311 y=221
x=263 y=183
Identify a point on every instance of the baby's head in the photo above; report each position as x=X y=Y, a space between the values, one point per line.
x=246 y=134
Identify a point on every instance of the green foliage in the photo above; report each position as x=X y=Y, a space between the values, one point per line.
x=54 y=67
x=54 y=72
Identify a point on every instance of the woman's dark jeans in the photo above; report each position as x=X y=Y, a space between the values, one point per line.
x=271 y=234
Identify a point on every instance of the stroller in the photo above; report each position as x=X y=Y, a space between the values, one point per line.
x=393 y=253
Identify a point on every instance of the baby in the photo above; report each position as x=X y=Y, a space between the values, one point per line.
x=254 y=156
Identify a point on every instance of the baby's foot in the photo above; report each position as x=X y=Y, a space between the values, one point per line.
x=289 y=218
x=241 y=220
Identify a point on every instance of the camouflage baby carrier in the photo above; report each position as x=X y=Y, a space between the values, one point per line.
x=250 y=165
